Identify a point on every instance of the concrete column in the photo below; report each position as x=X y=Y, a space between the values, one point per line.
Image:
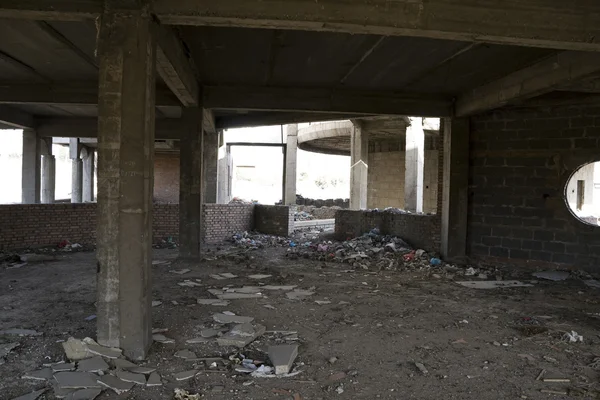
x=359 y=167
x=88 y=175
x=210 y=155
x=190 y=184
x=126 y=106
x=223 y=173
x=76 y=171
x=48 y=179
x=31 y=169
x=415 y=161
x=290 y=160
x=455 y=189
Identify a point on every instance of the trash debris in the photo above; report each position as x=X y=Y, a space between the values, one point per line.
x=90 y=318
x=493 y=284
x=421 y=368
x=181 y=394
x=241 y=335
x=552 y=275
x=282 y=357
x=265 y=371
x=572 y=337
x=435 y=261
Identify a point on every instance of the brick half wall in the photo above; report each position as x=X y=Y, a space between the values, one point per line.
x=520 y=162
x=274 y=220
x=420 y=231
x=222 y=221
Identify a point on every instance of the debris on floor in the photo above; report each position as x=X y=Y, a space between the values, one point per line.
x=282 y=357
x=20 y=332
x=180 y=271
x=181 y=394
x=552 y=275
x=31 y=396
x=493 y=284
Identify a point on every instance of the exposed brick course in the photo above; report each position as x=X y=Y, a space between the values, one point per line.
x=520 y=162
x=221 y=221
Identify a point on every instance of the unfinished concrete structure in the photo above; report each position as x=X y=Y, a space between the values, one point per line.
x=515 y=85
x=378 y=175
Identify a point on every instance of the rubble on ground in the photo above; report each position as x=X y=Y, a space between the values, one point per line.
x=238 y=200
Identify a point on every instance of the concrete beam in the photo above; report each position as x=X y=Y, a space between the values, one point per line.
x=16 y=119
x=537 y=23
x=325 y=100
x=545 y=76
x=166 y=129
x=209 y=121
x=174 y=66
x=75 y=93
x=276 y=118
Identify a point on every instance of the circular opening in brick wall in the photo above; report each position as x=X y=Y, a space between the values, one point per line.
x=582 y=193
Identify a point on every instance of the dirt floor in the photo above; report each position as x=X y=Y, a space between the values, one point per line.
x=472 y=344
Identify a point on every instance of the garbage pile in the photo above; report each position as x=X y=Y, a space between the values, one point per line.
x=303 y=216
x=254 y=240
x=237 y=200
x=369 y=251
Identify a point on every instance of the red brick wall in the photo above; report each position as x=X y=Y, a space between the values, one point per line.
x=221 y=221
x=35 y=225
x=166 y=178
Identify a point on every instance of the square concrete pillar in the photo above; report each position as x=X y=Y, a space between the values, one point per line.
x=76 y=171
x=359 y=167
x=290 y=167
x=126 y=104
x=190 y=184
x=88 y=175
x=210 y=155
x=415 y=162
x=31 y=169
x=223 y=173
x=455 y=197
x=48 y=179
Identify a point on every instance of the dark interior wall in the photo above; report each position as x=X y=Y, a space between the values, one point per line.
x=520 y=162
x=166 y=178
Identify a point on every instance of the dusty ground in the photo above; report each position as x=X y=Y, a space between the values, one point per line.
x=475 y=344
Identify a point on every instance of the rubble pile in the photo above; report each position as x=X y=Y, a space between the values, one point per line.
x=254 y=240
x=303 y=216
x=370 y=251
x=237 y=200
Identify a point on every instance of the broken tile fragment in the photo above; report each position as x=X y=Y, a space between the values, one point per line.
x=231 y=339
x=160 y=338
x=209 y=333
x=228 y=275
x=493 y=284
x=94 y=364
x=141 y=370
x=196 y=340
x=116 y=384
x=123 y=363
x=186 y=355
x=299 y=294
x=322 y=302
x=31 y=396
x=108 y=352
x=156 y=303
x=189 y=283
x=160 y=262
x=60 y=367
x=552 y=275
x=84 y=394
x=259 y=276
x=282 y=357
x=6 y=348
x=245 y=289
x=180 y=271
x=280 y=287
x=231 y=319
x=76 y=380
x=239 y=296
x=20 y=332
x=131 y=377
x=185 y=375
x=154 y=380
x=45 y=374
x=213 y=302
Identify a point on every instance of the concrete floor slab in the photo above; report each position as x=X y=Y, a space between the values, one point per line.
x=76 y=380
x=94 y=364
x=115 y=384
